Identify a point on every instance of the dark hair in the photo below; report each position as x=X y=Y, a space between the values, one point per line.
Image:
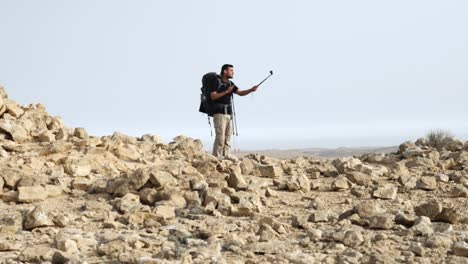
x=225 y=67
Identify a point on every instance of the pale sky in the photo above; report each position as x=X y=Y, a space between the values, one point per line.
x=347 y=73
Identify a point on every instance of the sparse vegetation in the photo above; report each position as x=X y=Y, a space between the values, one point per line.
x=437 y=138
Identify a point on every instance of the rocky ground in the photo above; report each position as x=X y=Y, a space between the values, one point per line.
x=67 y=197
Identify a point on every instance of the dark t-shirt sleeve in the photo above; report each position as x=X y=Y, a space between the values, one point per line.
x=214 y=86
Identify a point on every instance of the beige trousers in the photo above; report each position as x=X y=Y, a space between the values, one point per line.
x=223 y=130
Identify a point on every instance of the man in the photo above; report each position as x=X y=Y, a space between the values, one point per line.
x=221 y=96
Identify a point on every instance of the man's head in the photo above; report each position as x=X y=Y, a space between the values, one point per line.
x=227 y=71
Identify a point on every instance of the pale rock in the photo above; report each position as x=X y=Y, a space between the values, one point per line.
x=53 y=190
x=36 y=254
x=160 y=178
x=11 y=223
x=236 y=181
x=81 y=133
x=2 y=183
x=407 y=181
x=386 y=192
x=271 y=193
x=9 y=196
x=172 y=198
x=37 y=217
x=442 y=178
x=164 y=212
x=17 y=132
x=382 y=221
x=148 y=195
x=353 y=238
x=422 y=226
x=65 y=244
x=247 y=166
x=60 y=257
x=368 y=209
x=82 y=184
x=319 y=216
x=417 y=249
x=344 y=165
x=10 y=246
x=270 y=171
x=460 y=249
x=77 y=167
x=46 y=136
x=341 y=183
x=128 y=202
x=359 y=178
x=315 y=235
x=266 y=233
x=459 y=192
x=30 y=194
x=127 y=153
x=11 y=176
x=438 y=241
x=427 y=183
x=13 y=109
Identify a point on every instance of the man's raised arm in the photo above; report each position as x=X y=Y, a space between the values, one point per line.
x=246 y=92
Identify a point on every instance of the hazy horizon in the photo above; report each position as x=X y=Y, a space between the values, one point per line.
x=347 y=74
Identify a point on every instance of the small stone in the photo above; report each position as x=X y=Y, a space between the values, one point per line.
x=422 y=226
x=383 y=221
x=460 y=249
x=405 y=219
x=164 y=212
x=60 y=257
x=270 y=171
x=35 y=254
x=237 y=181
x=82 y=184
x=10 y=246
x=359 y=178
x=438 y=241
x=315 y=235
x=319 y=216
x=37 y=217
x=270 y=193
x=430 y=209
x=128 y=202
x=417 y=249
x=353 y=238
x=368 y=209
x=386 y=192
x=127 y=153
x=80 y=133
x=30 y=194
x=449 y=215
x=427 y=183
x=459 y=192
x=442 y=177
x=341 y=183
x=160 y=178
x=11 y=223
x=266 y=233
x=47 y=136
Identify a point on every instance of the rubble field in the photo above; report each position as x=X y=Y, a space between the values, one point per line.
x=69 y=197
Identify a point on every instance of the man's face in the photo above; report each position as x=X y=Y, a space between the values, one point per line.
x=229 y=72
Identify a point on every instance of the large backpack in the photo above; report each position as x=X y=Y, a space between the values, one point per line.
x=210 y=82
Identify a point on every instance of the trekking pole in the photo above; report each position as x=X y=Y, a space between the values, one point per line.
x=234 y=120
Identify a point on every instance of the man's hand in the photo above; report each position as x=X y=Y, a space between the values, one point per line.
x=229 y=89
x=253 y=89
